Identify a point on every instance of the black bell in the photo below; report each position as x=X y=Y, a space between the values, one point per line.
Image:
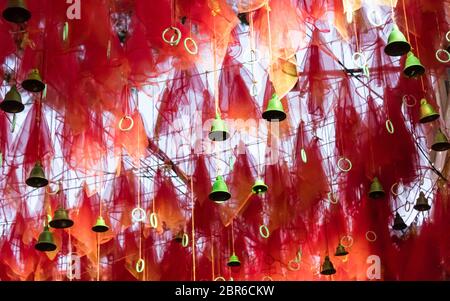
x=61 y=219
x=340 y=251
x=399 y=223
x=16 y=12
x=12 y=102
x=37 y=176
x=327 y=267
x=422 y=203
x=45 y=242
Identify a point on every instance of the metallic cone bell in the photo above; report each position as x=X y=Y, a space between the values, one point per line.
x=100 y=226
x=37 y=177
x=397 y=43
x=234 y=261
x=34 y=82
x=12 y=102
x=327 y=267
x=219 y=130
x=340 y=251
x=376 y=189
x=427 y=112
x=399 y=223
x=259 y=187
x=413 y=67
x=219 y=191
x=16 y=12
x=61 y=219
x=45 y=242
x=440 y=143
x=275 y=111
x=179 y=237
x=422 y=203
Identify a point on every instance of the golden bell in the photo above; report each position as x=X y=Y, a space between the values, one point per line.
x=34 y=82
x=376 y=189
x=413 y=67
x=100 y=226
x=399 y=223
x=427 y=112
x=179 y=237
x=327 y=267
x=340 y=251
x=12 y=102
x=37 y=176
x=440 y=143
x=61 y=219
x=16 y=12
x=45 y=243
x=422 y=203
x=234 y=261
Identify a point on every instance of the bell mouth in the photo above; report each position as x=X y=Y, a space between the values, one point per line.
x=328 y=272
x=45 y=247
x=376 y=195
x=423 y=207
x=341 y=253
x=33 y=85
x=219 y=196
x=100 y=229
x=397 y=48
x=234 y=264
x=274 y=116
x=429 y=118
x=219 y=135
x=12 y=106
x=16 y=14
x=259 y=189
x=441 y=146
x=400 y=227
x=36 y=182
x=414 y=71
x=61 y=224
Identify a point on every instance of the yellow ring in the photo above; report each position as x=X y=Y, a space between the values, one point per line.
x=220 y=278
x=347 y=238
x=350 y=165
x=447 y=36
x=438 y=56
x=172 y=42
x=373 y=234
x=140 y=265
x=264 y=231
x=185 y=240
x=330 y=197
x=394 y=192
x=51 y=192
x=141 y=217
x=409 y=206
x=294 y=268
x=190 y=51
x=389 y=126
x=267 y=278
x=304 y=156
x=121 y=123
x=153 y=220
x=405 y=100
x=357 y=55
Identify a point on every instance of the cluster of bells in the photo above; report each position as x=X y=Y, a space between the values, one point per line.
x=220 y=193
x=327 y=267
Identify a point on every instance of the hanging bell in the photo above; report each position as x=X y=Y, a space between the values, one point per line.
x=413 y=67
x=219 y=191
x=376 y=189
x=399 y=223
x=61 y=219
x=34 y=82
x=275 y=111
x=397 y=44
x=37 y=177
x=12 y=102
x=327 y=267
x=340 y=251
x=219 y=130
x=179 y=237
x=45 y=242
x=234 y=261
x=440 y=143
x=422 y=203
x=427 y=112
x=259 y=187
x=100 y=226
x=16 y=12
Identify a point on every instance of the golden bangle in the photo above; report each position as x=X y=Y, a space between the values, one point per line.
x=126 y=117
x=389 y=126
x=193 y=51
x=373 y=234
x=153 y=220
x=264 y=231
x=348 y=239
x=339 y=165
x=438 y=56
x=140 y=265
x=173 y=41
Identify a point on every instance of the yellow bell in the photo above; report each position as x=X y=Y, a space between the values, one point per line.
x=100 y=226
x=34 y=82
x=427 y=112
x=376 y=189
x=440 y=143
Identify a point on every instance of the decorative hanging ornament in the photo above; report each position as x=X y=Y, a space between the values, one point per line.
x=219 y=130
x=440 y=143
x=259 y=187
x=45 y=242
x=397 y=44
x=376 y=189
x=340 y=250
x=61 y=219
x=275 y=111
x=327 y=267
x=16 y=12
x=219 y=191
x=422 y=203
x=100 y=226
x=427 y=112
x=34 y=82
x=413 y=67
x=12 y=102
x=399 y=223
x=179 y=237
x=234 y=261
x=37 y=176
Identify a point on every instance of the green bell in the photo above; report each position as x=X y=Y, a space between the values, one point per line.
x=259 y=187
x=34 y=82
x=45 y=242
x=327 y=267
x=427 y=112
x=37 y=177
x=399 y=223
x=376 y=189
x=413 y=67
x=100 y=226
x=397 y=43
x=422 y=203
x=219 y=191
x=12 y=102
x=340 y=251
x=219 y=130
x=16 y=12
x=234 y=261
x=440 y=143
x=275 y=111
x=61 y=219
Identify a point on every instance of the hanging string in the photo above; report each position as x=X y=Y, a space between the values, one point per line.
x=418 y=52
x=216 y=82
x=406 y=21
x=98 y=257
x=212 y=258
x=232 y=235
x=193 y=230
x=392 y=11
x=269 y=33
